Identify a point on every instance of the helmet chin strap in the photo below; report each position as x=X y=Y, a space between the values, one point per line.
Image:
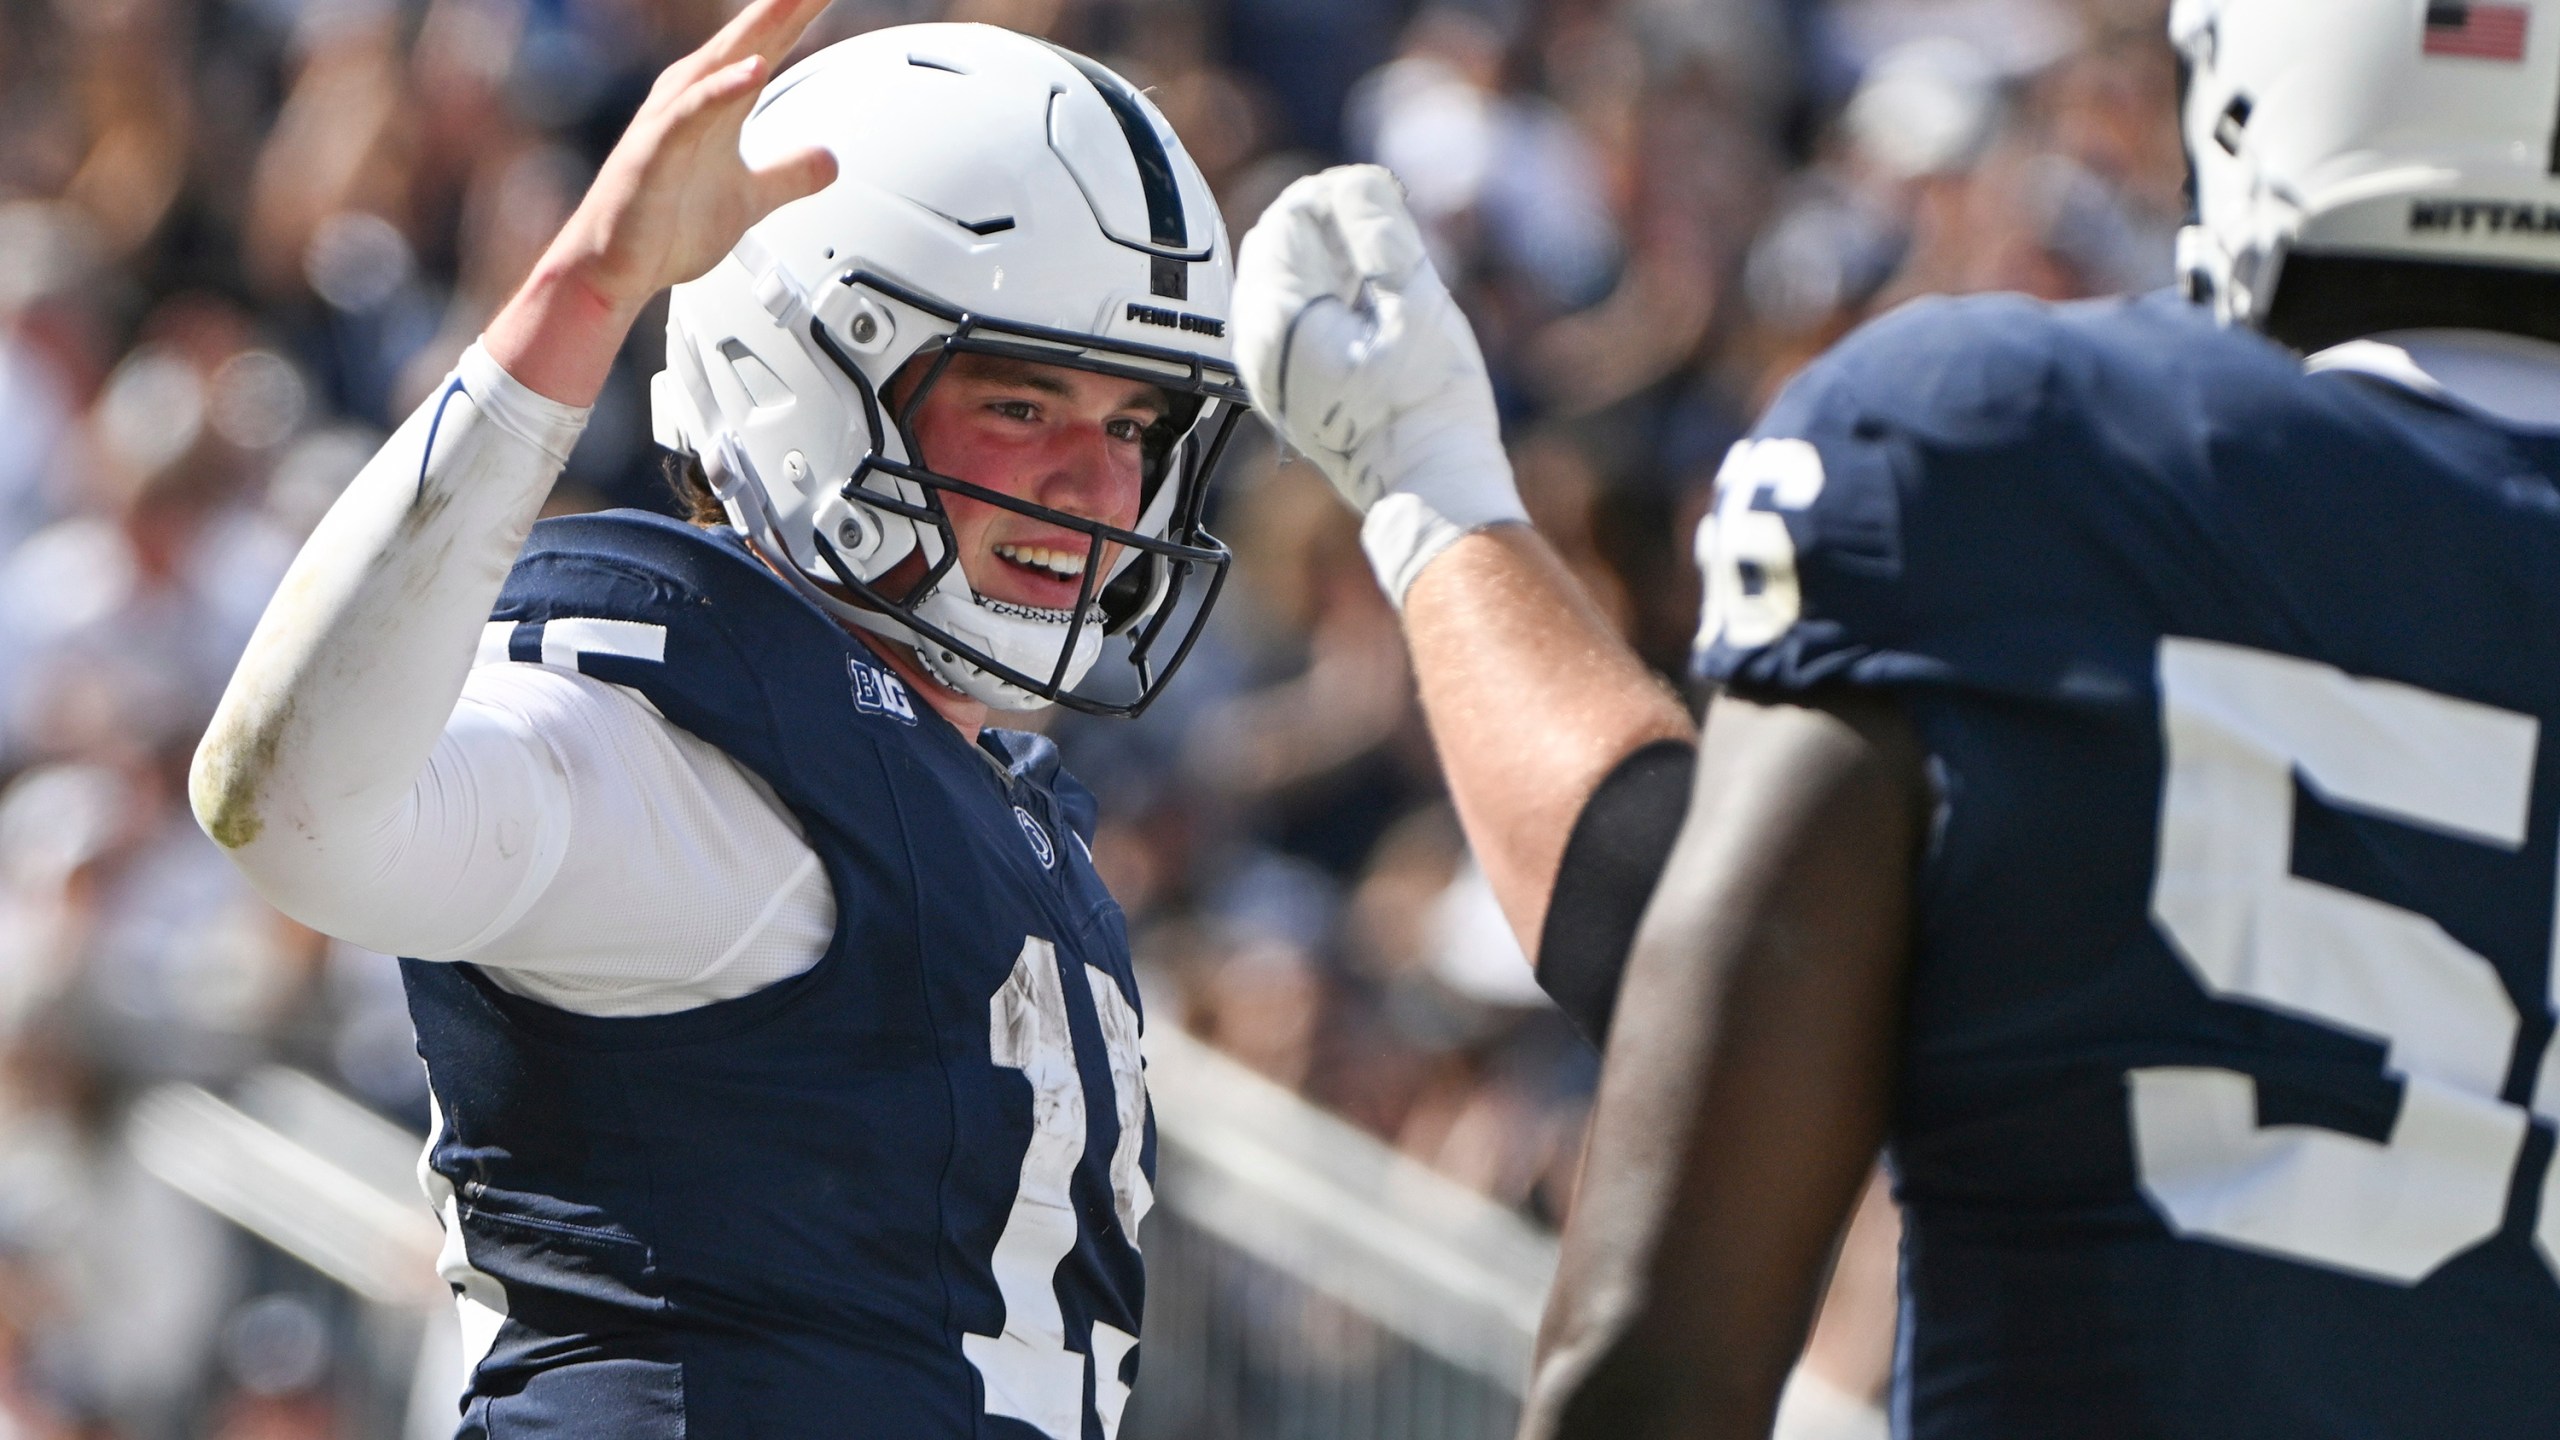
x=988 y=628
x=734 y=483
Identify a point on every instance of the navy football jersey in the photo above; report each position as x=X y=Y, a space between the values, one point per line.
x=2227 y=1101
x=896 y=1196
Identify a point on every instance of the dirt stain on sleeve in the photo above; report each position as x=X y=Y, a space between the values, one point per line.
x=229 y=774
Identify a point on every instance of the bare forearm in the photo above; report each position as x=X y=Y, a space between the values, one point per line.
x=559 y=333
x=1533 y=698
x=1747 y=1082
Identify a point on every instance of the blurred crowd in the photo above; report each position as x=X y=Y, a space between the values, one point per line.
x=239 y=239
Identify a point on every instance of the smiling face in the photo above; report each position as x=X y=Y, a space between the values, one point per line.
x=1067 y=439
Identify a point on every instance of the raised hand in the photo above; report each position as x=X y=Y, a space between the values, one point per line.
x=669 y=202
x=1358 y=356
x=674 y=195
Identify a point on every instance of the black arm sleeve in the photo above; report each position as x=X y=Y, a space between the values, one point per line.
x=1612 y=860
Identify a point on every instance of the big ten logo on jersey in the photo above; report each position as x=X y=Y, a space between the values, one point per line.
x=1030 y=1372
x=878 y=692
x=1744 y=550
x=2246 y=733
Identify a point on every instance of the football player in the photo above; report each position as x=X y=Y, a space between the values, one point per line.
x=784 y=1044
x=2125 y=793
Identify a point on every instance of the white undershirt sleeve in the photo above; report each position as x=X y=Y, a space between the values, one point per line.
x=327 y=771
x=543 y=824
x=683 y=879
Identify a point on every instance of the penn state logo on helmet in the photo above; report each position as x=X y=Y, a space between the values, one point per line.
x=999 y=196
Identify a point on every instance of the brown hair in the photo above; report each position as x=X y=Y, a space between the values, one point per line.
x=692 y=489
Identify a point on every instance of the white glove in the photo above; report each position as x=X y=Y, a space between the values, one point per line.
x=1355 y=353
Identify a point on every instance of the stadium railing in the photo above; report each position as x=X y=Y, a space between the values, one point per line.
x=1304 y=1280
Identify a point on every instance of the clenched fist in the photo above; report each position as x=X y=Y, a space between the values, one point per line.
x=1357 y=355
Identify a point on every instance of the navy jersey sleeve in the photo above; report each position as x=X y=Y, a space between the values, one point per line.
x=1801 y=553
x=1935 y=503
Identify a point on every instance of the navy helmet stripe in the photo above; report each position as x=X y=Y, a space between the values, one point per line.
x=1165 y=223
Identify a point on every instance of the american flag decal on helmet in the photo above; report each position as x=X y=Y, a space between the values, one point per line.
x=2477 y=32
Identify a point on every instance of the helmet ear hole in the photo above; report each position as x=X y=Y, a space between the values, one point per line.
x=2234 y=124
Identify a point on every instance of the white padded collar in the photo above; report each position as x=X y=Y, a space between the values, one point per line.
x=2505 y=377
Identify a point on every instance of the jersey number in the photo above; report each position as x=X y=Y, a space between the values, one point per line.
x=1028 y=1372
x=2240 y=725
x=1745 y=552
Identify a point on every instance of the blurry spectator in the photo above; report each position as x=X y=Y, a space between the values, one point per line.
x=1509 y=167
x=125 y=616
x=1309 y=53
x=51 y=354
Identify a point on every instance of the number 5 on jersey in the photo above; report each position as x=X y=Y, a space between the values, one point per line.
x=2239 y=725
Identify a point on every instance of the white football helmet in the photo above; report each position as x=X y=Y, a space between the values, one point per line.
x=2376 y=129
x=995 y=194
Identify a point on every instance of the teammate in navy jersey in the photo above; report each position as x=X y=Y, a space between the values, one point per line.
x=2126 y=794
x=783 y=1040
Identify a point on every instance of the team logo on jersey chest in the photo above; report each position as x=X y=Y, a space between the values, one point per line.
x=1041 y=849
x=877 y=692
